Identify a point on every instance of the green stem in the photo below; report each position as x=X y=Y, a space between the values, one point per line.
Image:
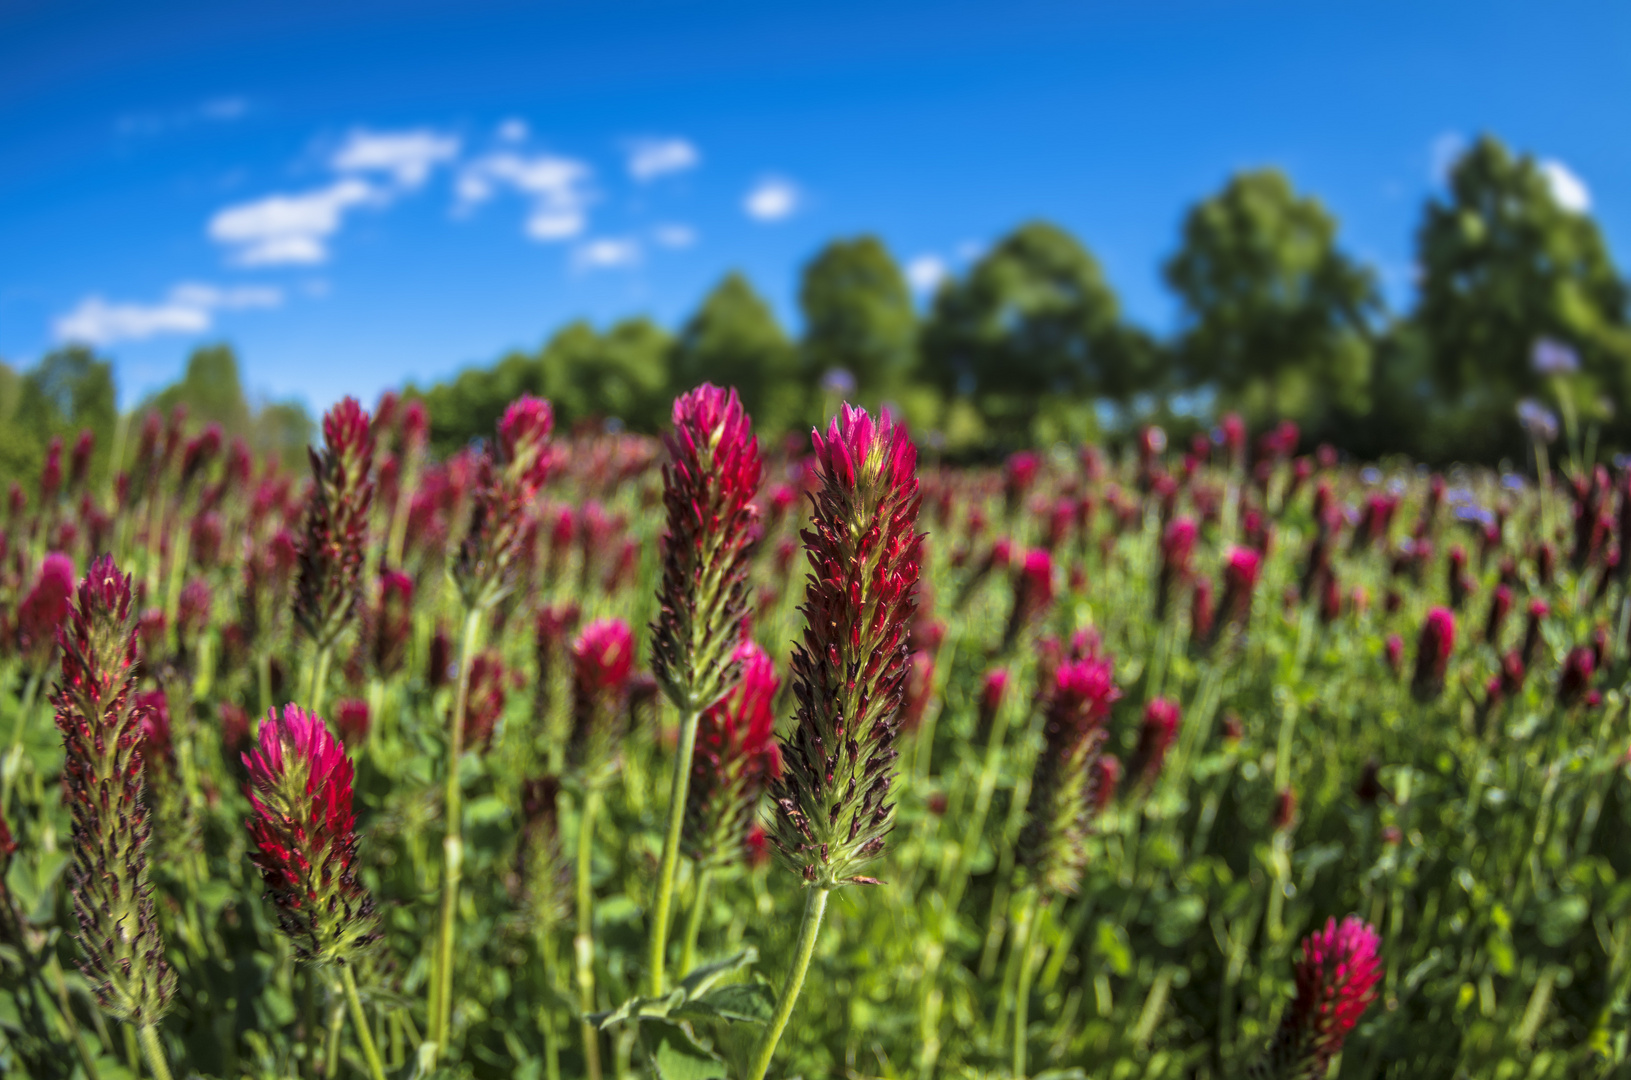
x=319 y=679
x=441 y=991
x=671 y=848
x=359 y=1020
x=693 y=925
x=153 y=1050
x=331 y=1049
x=14 y=758
x=583 y=944
x=815 y=905
x=1022 y=993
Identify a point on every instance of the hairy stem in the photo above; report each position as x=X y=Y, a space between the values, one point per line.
x=671 y=848
x=815 y=905
x=153 y=1050
x=693 y=925
x=584 y=943
x=359 y=1020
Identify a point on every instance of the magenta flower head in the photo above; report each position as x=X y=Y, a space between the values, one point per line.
x=1053 y=843
x=485 y=567
x=390 y=624
x=832 y=801
x=1433 y=655
x=1336 y=982
x=1240 y=573
x=1575 y=678
x=1155 y=738
x=736 y=760
x=992 y=692
x=305 y=839
x=1033 y=594
x=104 y=787
x=44 y=609
x=336 y=530
x=1177 y=548
x=602 y=663
x=709 y=483
x=1018 y=474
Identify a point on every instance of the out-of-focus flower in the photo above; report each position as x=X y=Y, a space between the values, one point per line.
x=1538 y=421
x=1552 y=357
x=352 y=717
x=1033 y=594
x=1052 y=845
x=44 y=609
x=1433 y=655
x=1336 y=982
x=1155 y=738
x=487 y=698
x=336 y=531
x=736 y=760
x=305 y=843
x=484 y=569
x=602 y=662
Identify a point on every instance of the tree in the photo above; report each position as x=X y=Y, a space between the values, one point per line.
x=1504 y=265
x=469 y=406
x=210 y=390
x=69 y=391
x=1032 y=330
x=735 y=340
x=858 y=316
x=622 y=374
x=1276 y=319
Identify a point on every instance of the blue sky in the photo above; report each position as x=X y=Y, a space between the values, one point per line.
x=358 y=197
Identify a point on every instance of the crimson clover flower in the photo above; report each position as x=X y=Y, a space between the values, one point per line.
x=104 y=786
x=709 y=482
x=602 y=664
x=305 y=839
x=736 y=759
x=832 y=799
x=505 y=487
x=1177 y=548
x=1433 y=655
x=336 y=530
x=390 y=624
x=1033 y=594
x=44 y=609
x=1155 y=738
x=1336 y=979
x=1052 y=845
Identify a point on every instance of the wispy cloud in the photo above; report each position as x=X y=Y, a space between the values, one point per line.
x=187 y=309
x=772 y=199
x=406 y=156
x=651 y=158
x=514 y=130
x=674 y=236
x=212 y=110
x=608 y=253
x=557 y=187
x=1568 y=189
x=926 y=272
x=290 y=229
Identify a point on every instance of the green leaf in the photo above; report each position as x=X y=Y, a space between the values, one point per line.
x=751 y=1002
x=697 y=981
x=675 y=1055
x=1560 y=919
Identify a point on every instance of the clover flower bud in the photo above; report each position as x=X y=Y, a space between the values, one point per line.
x=736 y=760
x=832 y=801
x=602 y=663
x=1053 y=843
x=1336 y=979
x=332 y=544
x=1155 y=738
x=104 y=786
x=1575 y=678
x=709 y=483
x=305 y=840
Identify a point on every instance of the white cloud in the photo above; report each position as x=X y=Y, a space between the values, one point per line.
x=513 y=130
x=607 y=253
x=674 y=236
x=285 y=229
x=772 y=199
x=408 y=156
x=926 y=272
x=187 y=309
x=1568 y=189
x=1445 y=151
x=158 y=123
x=969 y=250
x=651 y=158
x=557 y=186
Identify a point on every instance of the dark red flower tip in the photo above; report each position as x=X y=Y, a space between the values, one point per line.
x=1155 y=738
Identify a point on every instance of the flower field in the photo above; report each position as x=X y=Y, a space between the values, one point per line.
x=601 y=756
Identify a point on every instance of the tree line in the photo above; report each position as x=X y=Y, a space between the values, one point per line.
x=1030 y=345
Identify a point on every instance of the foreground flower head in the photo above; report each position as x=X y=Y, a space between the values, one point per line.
x=735 y=761
x=104 y=787
x=305 y=843
x=1053 y=844
x=709 y=483
x=336 y=530
x=1336 y=982
x=832 y=801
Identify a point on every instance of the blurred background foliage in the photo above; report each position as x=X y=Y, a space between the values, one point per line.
x=1029 y=346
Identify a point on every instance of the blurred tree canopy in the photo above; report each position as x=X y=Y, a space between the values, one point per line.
x=1276 y=320
x=1029 y=344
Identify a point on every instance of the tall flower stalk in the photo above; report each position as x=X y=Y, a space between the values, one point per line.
x=709 y=483
x=306 y=849
x=484 y=571
x=333 y=546
x=832 y=805
x=104 y=785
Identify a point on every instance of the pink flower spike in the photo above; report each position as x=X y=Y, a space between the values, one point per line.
x=1336 y=979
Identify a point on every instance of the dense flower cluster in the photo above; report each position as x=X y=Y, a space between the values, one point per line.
x=305 y=843
x=832 y=801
